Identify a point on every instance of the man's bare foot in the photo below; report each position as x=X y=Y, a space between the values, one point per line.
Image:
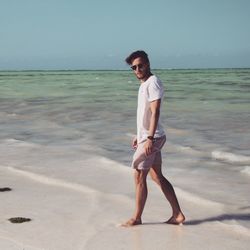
x=131 y=222
x=176 y=220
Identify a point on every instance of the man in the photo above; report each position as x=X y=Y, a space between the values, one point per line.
x=149 y=140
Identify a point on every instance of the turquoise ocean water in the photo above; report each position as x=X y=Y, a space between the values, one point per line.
x=206 y=114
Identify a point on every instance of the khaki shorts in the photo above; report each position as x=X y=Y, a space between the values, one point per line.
x=143 y=162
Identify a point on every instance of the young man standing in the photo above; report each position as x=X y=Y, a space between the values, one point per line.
x=149 y=140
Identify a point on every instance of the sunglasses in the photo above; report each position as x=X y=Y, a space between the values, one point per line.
x=139 y=66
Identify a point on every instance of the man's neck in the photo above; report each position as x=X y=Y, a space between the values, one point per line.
x=146 y=77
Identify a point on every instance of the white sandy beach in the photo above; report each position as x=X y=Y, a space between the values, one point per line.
x=85 y=214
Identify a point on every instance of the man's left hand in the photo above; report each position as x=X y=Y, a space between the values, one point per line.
x=148 y=147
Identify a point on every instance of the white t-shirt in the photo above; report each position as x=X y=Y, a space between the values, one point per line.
x=149 y=91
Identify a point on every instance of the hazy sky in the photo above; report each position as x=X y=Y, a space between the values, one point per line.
x=91 y=34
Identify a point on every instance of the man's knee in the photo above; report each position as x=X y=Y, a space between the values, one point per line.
x=141 y=176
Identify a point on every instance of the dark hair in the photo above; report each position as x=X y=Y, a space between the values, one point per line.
x=136 y=54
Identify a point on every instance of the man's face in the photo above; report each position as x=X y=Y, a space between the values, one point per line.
x=140 y=68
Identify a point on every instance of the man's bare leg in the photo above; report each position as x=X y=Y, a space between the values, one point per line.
x=141 y=192
x=168 y=190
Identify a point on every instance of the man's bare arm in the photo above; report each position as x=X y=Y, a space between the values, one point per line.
x=155 y=110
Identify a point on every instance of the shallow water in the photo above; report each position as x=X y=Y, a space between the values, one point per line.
x=50 y=119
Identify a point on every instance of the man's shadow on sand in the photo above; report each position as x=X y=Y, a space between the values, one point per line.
x=223 y=217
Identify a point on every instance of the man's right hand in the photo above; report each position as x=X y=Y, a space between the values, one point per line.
x=134 y=143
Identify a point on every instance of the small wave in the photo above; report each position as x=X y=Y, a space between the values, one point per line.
x=19 y=143
x=246 y=170
x=4 y=114
x=12 y=114
x=184 y=149
x=177 y=131
x=229 y=157
x=130 y=135
x=114 y=165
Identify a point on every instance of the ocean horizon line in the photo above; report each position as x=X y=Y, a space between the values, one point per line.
x=158 y=69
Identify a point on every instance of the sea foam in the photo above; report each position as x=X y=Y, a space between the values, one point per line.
x=246 y=170
x=229 y=157
x=19 y=143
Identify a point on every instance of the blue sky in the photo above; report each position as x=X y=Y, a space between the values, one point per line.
x=91 y=34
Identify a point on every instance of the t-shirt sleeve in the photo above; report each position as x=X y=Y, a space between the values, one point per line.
x=155 y=91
